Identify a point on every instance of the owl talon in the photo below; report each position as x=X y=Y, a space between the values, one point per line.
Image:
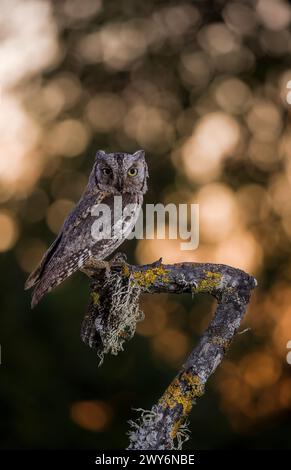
x=118 y=259
x=93 y=265
x=88 y=272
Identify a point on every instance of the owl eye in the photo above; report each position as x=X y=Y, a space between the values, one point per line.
x=106 y=171
x=132 y=172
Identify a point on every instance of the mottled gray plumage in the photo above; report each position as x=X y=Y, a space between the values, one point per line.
x=113 y=174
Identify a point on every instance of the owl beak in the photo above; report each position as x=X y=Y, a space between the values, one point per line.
x=119 y=185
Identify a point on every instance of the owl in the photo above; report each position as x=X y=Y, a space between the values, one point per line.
x=77 y=246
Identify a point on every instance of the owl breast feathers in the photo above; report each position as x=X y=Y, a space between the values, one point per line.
x=94 y=229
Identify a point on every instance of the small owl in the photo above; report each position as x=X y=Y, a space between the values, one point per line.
x=78 y=246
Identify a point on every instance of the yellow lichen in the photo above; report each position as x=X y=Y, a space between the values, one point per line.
x=213 y=275
x=148 y=277
x=211 y=281
x=95 y=298
x=195 y=383
x=125 y=270
x=182 y=391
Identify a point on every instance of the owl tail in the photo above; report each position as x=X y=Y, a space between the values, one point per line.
x=54 y=274
x=42 y=282
x=35 y=276
x=50 y=279
x=41 y=288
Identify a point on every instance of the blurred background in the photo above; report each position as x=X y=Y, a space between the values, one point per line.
x=202 y=86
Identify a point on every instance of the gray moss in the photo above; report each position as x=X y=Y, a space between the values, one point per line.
x=144 y=431
x=117 y=324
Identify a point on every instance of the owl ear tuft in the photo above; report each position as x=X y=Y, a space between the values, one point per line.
x=139 y=154
x=99 y=153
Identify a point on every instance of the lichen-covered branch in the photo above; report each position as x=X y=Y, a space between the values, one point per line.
x=111 y=319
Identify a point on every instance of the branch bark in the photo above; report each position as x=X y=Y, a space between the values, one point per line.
x=111 y=319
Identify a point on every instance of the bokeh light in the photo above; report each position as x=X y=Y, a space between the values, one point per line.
x=9 y=231
x=91 y=415
x=205 y=88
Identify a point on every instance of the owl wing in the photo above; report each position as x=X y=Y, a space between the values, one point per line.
x=34 y=277
x=77 y=245
x=68 y=252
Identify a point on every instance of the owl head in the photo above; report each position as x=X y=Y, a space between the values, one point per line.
x=120 y=173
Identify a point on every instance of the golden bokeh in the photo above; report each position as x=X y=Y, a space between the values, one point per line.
x=29 y=253
x=8 y=231
x=57 y=212
x=67 y=138
x=92 y=415
x=155 y=318
x=171 y=346
x=202 y=156
x=209 y=101
x=219 y=215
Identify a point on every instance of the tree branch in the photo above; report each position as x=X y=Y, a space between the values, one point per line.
x=111 y=319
